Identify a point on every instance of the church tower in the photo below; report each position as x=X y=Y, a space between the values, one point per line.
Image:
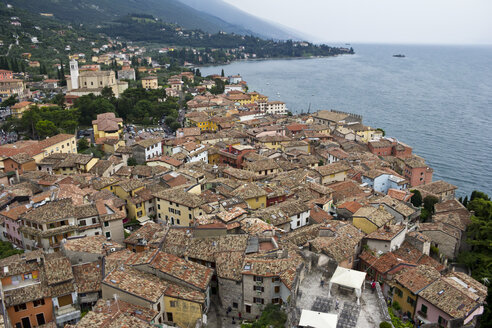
x=74 y=74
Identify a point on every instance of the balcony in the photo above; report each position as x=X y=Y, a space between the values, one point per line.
x=21 y=284
x=67 y=314
x=422 y=314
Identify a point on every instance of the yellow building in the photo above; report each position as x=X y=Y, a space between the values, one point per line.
x=409 y=282
x=213 y=156
x=107 y=125
x=20 y=108
x=366 y=133
x=177 y=206
x=74 y=164
x=239 y=97
x=369 y=219
x=334 y=172
x=252 y=194
x=274 y=142
x=183 y=312
x=127 y=190
x=202 y=121
x=257 y=97
x=150 y=82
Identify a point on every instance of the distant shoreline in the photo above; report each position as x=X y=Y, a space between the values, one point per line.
x=271 y=58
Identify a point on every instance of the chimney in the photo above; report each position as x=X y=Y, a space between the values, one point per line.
x=17 y=176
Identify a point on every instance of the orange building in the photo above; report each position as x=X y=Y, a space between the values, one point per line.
x=20 y=162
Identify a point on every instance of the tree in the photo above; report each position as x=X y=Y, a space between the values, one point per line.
x=416 y=199
x=429 y=202
x=478 y=194
x=10 y=101
x=271 y=316
x=107 y=93
x=131 y=161
x=6 y=250
x=174 y=126
x=82 y=145
x=63 y=80
x=46 y=128
x=384 y=132
x=222 y=73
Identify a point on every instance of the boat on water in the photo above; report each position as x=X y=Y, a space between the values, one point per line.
x=399 y=56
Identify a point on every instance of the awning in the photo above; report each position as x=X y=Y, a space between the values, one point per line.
x=348 y=278
x=318 y=319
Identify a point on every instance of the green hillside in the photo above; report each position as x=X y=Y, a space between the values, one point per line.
x=94 y=12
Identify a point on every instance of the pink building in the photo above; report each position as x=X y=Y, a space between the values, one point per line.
x=12 y=224
x=455 y=296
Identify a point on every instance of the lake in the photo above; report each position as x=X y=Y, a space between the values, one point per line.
x=438 y=99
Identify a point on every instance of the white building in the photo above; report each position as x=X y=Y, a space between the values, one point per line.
x=273 y=107
x=235 y=79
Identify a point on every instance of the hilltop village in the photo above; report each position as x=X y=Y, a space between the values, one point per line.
x=210 y=221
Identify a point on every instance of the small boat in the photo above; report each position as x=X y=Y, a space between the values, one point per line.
x=399 y=56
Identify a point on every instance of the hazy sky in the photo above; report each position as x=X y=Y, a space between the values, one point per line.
x=387 y=21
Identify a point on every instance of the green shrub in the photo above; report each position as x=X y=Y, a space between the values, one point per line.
x=385 y=324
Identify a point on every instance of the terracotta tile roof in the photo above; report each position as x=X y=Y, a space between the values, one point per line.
x=114 y=307
x=88 y=277
x=340 y=246
x=52 y=211
x=333 y=168
x=21 y=158
x=148 y=142
x=448 y=298
x=186 y=293
x=136 y=282
x=437 y=187
x=107 y=122
x=194 y=274
x=14 y=212
x=376 y=215
x=248 y=191
x=229 y=265
x=350 y=206
x=90 y=244
x=177 y=240
x=417 y=278
x=145 y=233
x=386 y=233
x=459 y=219
x=57 y=269
x=302 y=235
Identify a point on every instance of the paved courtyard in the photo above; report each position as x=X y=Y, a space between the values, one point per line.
x=313 y=296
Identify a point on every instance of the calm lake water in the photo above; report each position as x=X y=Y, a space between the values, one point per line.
x=438 y=99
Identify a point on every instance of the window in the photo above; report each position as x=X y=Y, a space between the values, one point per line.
x=277 y=289
x=423 y=309
x=410 y=301
x=20 y=307
x=274 y=279
x=38 y=302
x=94 y=220
x=442 y=322
x=258 y=288
x=106 y=224
x=398 y=292
x=235 y=305
x=248 y=308
x=159 y=307
x=173 y=303
x=258 y=278
x=82 y=223
x=177 y=221
x=275 y=300
x=139 y=213
x=108 y=234
x=258 y=300
x=159 y=206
